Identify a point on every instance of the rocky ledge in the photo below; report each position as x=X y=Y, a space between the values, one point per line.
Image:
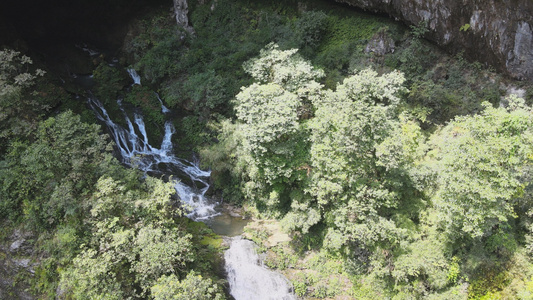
x=496 y=32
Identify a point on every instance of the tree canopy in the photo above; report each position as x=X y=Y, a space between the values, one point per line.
x=353 y=166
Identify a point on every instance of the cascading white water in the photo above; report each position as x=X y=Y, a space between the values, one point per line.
x=136 y=151
x=248 y=278
x=166 y=145
x=164 y=109
x=133 y=74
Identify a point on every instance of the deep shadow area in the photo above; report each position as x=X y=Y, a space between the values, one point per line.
x=39 y=22
x=47 y=28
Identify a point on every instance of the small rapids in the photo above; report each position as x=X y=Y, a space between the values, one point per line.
x=135 y=150
x=247 y=277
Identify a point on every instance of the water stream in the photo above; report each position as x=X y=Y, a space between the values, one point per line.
x=247 y=277
x=135 y=150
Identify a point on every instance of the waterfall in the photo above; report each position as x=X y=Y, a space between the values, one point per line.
x=166 y=144
x=136 y=151
x=164 y=109
x=133 y=74
x=248 y=278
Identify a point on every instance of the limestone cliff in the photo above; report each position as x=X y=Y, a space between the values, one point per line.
x=496 y=32
x=181 y=9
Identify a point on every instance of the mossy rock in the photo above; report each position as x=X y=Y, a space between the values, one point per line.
x=214 y=241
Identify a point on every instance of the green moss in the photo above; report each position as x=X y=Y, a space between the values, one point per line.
x=196 y=228
x=214 y=241
x=488 y=285
x=342 y=30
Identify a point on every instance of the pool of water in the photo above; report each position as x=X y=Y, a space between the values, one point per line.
x=226 y=225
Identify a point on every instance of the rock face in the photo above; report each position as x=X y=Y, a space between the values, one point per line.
x=181 y=9
x=380 y=44
x=496 y=32
x=16 y=254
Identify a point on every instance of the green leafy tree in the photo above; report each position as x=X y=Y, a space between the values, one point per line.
x=482 y=161
x=272 y=131
x=48 y=179
x=135 y=241
x=349 y=185
x=17 y=104
x=324 y=164
x=194 y=286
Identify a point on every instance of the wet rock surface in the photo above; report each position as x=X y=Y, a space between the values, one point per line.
x=15 y=253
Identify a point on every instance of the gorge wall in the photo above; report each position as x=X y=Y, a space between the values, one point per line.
x=496 y=32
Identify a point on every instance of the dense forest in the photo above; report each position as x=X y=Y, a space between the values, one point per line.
x=398 y=170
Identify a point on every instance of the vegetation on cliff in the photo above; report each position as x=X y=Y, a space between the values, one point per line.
x=399 y=172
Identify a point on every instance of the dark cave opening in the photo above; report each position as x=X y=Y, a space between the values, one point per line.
x=50 y=30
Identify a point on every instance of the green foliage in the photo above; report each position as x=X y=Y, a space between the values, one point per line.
x=45 y=182
x=161 y=60
x=347 y=182
x=109 y=83
x=273 y=146
x=283 y=68
x=454 y=270
x=341 y=29
x=135 y=241
x=346 y=168
x=489 y=285
x=156 y=49
x=280 y=258
x=192 y=132
x=310 y=28
x=324 y=278
x=300 y=288
x=415 y=58
x=194 y=286
x=345 y=35
x=221 y=158
x=20 y=106
x=419 y=30
x=368 y=183
x=154 y=119
x=206 y=92
x=105 y=233
x=342 y=172
x=465 y=27
x=422 y=260
x=147 y=100
x=481 y=161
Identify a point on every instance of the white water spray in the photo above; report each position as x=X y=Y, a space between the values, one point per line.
x=248 y=278
x=133 y=74
x=135 y=150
